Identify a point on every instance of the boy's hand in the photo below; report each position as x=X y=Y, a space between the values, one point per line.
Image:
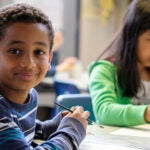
x=65 y=113
x=80 y=114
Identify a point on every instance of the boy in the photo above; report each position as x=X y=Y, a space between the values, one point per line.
x=26 y=40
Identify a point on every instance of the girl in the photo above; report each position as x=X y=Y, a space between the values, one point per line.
x=120 y=78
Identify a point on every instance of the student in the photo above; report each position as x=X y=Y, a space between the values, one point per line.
x=26 y=40
x=120 y=77
x=65 y=66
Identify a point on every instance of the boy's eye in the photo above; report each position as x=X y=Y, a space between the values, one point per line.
x=39 y=52
x=14 y=51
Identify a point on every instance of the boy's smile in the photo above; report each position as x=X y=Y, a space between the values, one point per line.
x=25 y=56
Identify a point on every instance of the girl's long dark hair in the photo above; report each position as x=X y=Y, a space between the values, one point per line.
x=123 y=47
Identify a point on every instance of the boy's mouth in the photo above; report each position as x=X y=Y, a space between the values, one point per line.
x=26 y=76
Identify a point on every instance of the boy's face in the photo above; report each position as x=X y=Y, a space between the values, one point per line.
x=24 y=56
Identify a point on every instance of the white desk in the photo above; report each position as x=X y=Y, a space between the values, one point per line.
x=115 y=138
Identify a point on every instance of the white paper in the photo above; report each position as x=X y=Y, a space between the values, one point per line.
x=137 y=131
x=92 y=142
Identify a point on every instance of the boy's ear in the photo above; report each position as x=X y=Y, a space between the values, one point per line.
x=50 y=56
x=50 y=59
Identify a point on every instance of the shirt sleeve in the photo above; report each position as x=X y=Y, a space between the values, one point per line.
x=45 y=128
x=70 y=132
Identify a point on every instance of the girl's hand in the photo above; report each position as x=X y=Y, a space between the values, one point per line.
x=147 y=114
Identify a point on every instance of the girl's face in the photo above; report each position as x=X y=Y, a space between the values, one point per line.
x=143 y=51
x=24 y=56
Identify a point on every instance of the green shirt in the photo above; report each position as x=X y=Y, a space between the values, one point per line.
x=109 y=105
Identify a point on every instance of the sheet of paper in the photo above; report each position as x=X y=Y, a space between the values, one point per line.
x=92 y=142
x=138 y=131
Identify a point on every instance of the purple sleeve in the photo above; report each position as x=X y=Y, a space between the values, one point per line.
x=70 y=132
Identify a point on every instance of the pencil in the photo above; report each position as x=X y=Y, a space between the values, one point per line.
x=89 y=121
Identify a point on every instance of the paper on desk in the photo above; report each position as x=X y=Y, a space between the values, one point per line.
x=138 y=131
x=94 y=143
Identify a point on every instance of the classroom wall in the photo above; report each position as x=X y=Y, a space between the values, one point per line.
x=93 y=39
x=96 y=33
x=70 y=29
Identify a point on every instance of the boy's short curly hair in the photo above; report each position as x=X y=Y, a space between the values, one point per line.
x=26 y=13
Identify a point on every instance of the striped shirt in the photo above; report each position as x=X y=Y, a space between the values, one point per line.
x=18 y=127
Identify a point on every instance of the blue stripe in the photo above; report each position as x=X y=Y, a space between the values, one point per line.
x=14 y=134
x=51 y=146
x=25 y=112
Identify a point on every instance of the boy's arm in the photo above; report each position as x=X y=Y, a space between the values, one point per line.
x=69 y=131
x=44 y=129
x=68 y=136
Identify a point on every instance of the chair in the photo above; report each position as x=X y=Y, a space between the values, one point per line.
x=64 y=87
x=70 y=100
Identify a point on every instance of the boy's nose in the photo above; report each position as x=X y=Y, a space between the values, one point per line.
x=28 y=62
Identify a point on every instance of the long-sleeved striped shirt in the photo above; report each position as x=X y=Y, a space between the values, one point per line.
x=18 y=127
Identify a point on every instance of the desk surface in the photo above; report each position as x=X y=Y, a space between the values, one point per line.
x=115 y=138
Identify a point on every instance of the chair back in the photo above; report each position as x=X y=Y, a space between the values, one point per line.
x=70 y=100
x=63 y=87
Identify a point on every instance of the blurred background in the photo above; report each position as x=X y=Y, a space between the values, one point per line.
x=85 y=27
